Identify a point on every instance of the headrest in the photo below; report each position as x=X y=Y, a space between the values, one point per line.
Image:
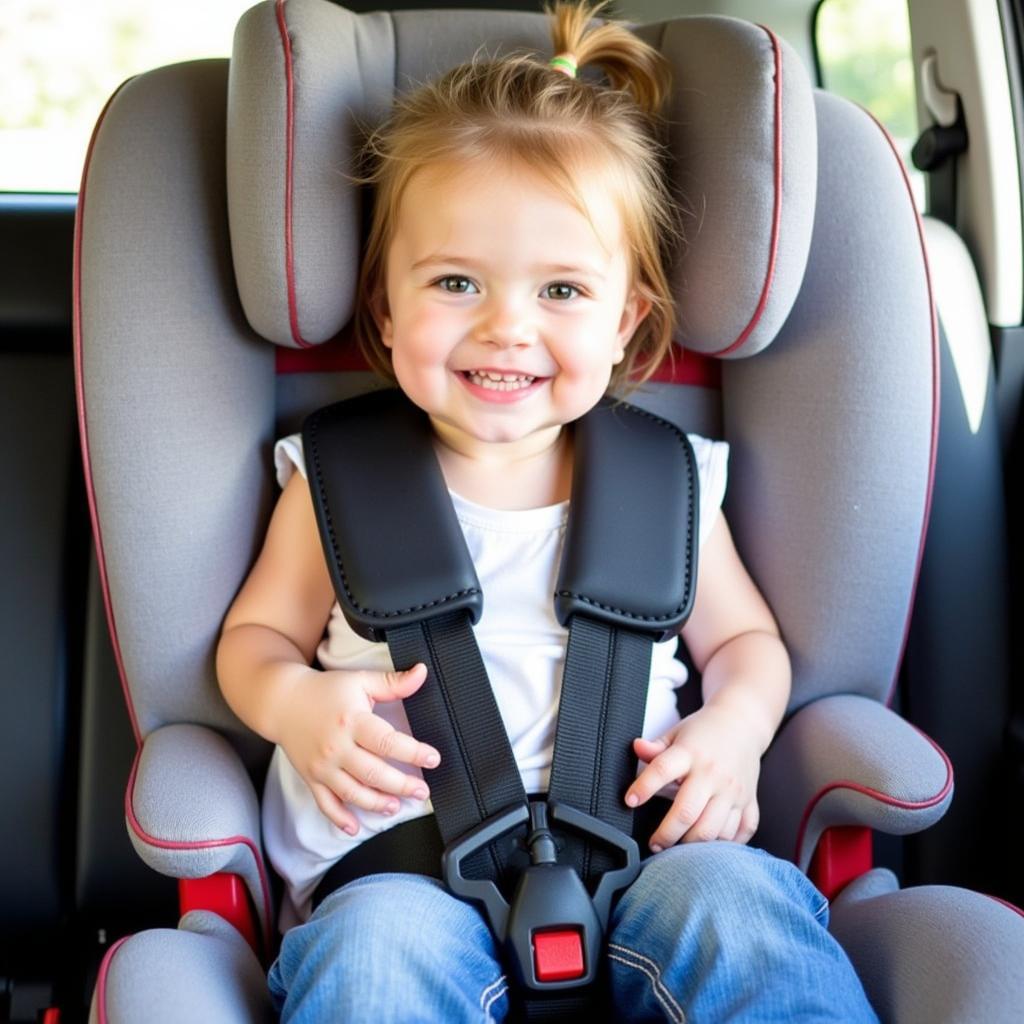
x=742 y=131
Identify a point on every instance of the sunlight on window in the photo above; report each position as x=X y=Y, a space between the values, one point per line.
x=865 y=55
x=60 y=61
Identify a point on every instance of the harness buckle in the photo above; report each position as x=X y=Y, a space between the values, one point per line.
x=553 y=931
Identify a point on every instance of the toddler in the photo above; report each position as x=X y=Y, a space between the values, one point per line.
x=514 y=274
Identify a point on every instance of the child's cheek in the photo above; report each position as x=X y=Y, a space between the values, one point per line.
x=430 y=333
x=583 y=365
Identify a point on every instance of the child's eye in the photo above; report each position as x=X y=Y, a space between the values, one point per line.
x=454 y=291
x=564 y=287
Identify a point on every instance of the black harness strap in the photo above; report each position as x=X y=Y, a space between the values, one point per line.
x=627 y=577
x=455 y=711
x=402 y=574
x=604 y=693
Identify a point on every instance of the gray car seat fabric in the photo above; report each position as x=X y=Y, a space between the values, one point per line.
x=202 y=971
x=965 y=972
x=183 y=277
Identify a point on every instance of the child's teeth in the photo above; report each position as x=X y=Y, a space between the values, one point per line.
x=500 y=381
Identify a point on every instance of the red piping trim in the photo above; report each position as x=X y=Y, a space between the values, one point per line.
x=935 y=409
x=289 y=181
x=202 y=844
x=83 y=430
x=773 y=249
x=885 y=798
x=1006 y=903
x=101 y=985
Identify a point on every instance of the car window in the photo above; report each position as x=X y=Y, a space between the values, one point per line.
x=60 y=61
x=863 y=51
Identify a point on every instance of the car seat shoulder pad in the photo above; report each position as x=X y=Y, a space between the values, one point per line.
x=382 y=507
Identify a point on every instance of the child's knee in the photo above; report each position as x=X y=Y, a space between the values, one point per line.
x=383 y=944
x=383 y=907
x=724 y=880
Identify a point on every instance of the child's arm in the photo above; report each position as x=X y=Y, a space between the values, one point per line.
x=715 y=753
x=323 y=720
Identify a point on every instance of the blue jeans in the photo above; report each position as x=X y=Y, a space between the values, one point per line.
x=708 y=932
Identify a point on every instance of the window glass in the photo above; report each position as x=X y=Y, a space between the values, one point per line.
x=864 y=53
x=60 y=61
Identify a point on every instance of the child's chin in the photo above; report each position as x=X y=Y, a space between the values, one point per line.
x=499 y=435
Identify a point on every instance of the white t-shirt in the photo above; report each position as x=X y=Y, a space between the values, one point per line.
x=516 y=555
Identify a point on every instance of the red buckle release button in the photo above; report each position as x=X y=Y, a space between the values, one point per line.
x=558 y=956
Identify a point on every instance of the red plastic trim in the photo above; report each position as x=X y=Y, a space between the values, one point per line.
x=773 y=246
x=201 y=844
x=225 y=894
x=843 y=853
x=51 y=1015
x=340 y=354
x=689 y=368
x=83 y=428
x=885 y=798
x=101 y=984
x=289 y=180
x=935 y=407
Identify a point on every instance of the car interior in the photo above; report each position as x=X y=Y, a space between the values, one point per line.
x=854 y=328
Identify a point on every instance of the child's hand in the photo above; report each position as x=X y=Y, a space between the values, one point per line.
x=339 y=746
x=716 y=762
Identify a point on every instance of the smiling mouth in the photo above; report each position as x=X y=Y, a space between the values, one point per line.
x=498 y=381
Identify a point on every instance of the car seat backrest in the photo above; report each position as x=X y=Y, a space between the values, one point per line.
x=834 y=428
x=181 y=396
x=741 y=135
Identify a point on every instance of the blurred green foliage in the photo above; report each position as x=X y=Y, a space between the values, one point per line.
x=60 y=60
x=864 y=52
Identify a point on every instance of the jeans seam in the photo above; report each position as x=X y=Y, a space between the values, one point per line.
x=661 y=993
x=496 y=995
x=499 y=991
x=821 y=910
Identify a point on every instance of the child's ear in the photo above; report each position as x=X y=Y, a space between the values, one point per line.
x=380 y=312
x=633 y=314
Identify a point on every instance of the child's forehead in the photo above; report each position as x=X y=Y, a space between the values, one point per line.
x=444 y=197
x=516 y=178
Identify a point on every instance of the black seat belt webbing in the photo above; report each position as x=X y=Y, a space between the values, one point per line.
x=455 y=711
x=604 y=696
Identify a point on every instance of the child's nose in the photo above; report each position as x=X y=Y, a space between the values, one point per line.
x=506 y=323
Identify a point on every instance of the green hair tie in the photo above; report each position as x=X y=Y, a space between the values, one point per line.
x=564 y=64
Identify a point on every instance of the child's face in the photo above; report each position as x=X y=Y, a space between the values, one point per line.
x=471 y=295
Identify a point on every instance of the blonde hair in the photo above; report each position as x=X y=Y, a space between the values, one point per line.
x=519 y=110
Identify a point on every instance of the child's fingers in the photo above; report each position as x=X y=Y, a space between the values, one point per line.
x=749 y=820
x=376 y=774
x=731 y=826
x=351 y=791
x=389 y=686
x=334 y=810
x=668 y=766
x=373 y=733
x=687 y=807
x=648 y=750
x=711 y=822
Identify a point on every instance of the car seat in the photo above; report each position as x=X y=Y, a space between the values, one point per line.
x=216 y=250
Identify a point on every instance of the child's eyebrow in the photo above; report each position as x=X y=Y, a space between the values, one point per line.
x=556 y=268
